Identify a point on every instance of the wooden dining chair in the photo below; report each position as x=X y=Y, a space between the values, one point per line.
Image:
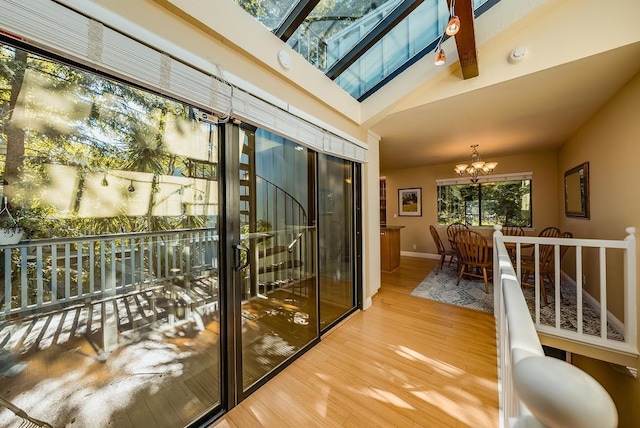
x=512 y=231
x=529 y=268
x=452 y=229
x=442 y=251
x=475 y=257
x=547 y=265
x=547 y=232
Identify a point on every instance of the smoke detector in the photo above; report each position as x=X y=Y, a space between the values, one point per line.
x=517 y=54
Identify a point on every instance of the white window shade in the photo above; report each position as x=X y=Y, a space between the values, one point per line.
x=490 y=178
x=63 y=31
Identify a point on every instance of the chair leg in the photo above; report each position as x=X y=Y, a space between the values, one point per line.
x=460 y=274
x=553 y=283
x=486 y=283
x=441 y=263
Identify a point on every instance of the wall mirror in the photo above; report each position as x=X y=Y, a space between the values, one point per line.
x=576 y=191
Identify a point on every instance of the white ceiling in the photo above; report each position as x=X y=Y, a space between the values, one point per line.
x=537 y=111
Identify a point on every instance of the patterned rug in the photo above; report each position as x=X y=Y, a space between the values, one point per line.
x=441 y=287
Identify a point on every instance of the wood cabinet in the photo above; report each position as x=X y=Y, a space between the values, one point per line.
x=390 y=248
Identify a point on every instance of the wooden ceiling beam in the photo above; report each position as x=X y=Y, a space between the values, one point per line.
x=466 y=39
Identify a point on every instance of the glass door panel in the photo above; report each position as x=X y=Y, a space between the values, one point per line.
x=336 y=238
x=278 y=305
x=114 y=286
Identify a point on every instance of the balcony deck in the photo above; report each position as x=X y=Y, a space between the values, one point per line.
x=406 y=361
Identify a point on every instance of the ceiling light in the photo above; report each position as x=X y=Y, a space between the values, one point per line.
x=453 y=26
x=440 y=58
x=477 y=166
x=454 y=22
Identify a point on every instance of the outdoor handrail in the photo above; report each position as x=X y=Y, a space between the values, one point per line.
x=536 y=390
x=44 y=273
x=93 y=238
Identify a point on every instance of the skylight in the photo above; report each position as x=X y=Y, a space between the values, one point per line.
x=360 y=44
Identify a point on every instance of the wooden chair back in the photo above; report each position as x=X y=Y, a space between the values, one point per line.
x=512 y=231
x=564 y=248
x=452 y=229
x=549 y=232
x=472 y=248
x=437 y=240
x=546 y=257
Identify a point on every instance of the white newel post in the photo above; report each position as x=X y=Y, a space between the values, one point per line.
x=561 y=395
x=630 y=308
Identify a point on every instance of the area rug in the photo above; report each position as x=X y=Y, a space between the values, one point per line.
x=441 y=287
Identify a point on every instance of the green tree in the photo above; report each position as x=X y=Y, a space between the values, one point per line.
x=86 y=122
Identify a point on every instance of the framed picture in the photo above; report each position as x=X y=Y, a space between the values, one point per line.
x=410 y=202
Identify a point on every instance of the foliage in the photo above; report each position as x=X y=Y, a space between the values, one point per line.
x=486 y=204
x=87 y=124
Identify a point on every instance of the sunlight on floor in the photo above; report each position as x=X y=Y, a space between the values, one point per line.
x=91 y=393
x=447 y=369
x=388 y=397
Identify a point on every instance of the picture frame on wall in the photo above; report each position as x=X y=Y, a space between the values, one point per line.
x=410 y=202
x=576 y=191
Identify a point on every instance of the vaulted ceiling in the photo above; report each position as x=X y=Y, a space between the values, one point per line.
x=572 y=63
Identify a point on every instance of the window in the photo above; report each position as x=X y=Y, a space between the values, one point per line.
x=503 y=200
x=85 y=154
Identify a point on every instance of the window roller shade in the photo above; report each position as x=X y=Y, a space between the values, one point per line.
x=58 y=29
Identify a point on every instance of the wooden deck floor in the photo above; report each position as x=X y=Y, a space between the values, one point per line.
x=405 y=362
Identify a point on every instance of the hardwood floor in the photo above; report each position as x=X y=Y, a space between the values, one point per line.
x=406 y=361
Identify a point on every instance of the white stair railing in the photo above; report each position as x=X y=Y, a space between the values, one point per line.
x=628 y=246
x=538 y=391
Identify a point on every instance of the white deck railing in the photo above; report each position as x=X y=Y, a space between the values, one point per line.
x=541 y=391
x=50 y=273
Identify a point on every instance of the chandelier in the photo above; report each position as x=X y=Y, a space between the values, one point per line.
x=476 y=167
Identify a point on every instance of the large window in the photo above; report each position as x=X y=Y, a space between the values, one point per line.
x=503 y=201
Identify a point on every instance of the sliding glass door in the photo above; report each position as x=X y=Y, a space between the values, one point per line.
x=337 y=240
x=109 y=302
x=278 y=313
x=169 y=264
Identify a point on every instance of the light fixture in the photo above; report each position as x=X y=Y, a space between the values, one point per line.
x=131 y=189
x=454 y=22
x=476 y=167
x=452 y=28
x=441 y=57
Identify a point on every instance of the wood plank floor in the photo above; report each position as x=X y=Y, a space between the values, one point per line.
x=404 y=362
